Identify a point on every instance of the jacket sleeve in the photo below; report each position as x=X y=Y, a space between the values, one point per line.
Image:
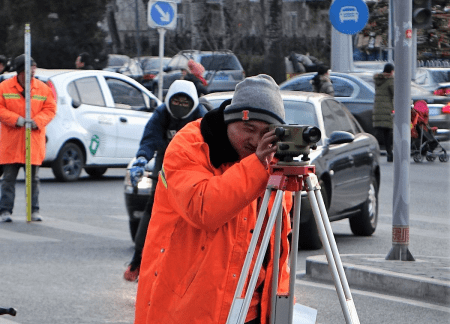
x=205 y=200
x=153 y=137
x=7 y=116
x=48 y=110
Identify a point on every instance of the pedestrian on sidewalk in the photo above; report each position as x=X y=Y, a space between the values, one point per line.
x=383 y=108
x=12 y=134
x=206 y=204
x=181 y=106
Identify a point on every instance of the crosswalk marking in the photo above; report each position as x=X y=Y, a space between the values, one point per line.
x=20 y=237
x=86 y=229
x=64 y=225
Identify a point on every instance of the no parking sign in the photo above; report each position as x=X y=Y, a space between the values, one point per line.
x=349 y=16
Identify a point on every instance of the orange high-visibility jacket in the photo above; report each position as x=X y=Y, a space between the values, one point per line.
x=199 y=234
x=12 y=106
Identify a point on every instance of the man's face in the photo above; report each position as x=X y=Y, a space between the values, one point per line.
x=244 y=136
x=180 y=105
x=21 y=75
x=2 y=66
x=78 y=63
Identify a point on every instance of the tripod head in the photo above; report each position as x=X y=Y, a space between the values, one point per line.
x=295 y=140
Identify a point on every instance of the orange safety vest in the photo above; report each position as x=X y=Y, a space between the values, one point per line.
x=12 y=106
x=199 y=234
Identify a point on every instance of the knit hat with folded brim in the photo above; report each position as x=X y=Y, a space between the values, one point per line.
x=256 y=98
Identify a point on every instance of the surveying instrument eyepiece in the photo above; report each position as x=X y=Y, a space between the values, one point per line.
x=293 y=176
x=295 y=140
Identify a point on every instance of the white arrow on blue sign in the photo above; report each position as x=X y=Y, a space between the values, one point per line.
x=162 y=14
x=349 y=16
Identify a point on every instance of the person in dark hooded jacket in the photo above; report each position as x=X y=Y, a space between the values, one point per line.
x=382 y=115
x=180 y=107
x=321 y=82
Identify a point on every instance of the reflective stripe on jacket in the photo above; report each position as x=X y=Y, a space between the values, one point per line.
x=199 y=234
x=12 y=106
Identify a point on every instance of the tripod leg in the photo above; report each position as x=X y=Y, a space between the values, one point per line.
x=276 y=263
x=239 y=307
x=294 y=251
x=331 y=251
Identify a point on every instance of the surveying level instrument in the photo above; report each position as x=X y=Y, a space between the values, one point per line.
x=294 y=176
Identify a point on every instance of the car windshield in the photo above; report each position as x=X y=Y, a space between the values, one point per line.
x=153 y=63
x=218 y=62
x=440 y=76
x=302 y=113
x=117 y=60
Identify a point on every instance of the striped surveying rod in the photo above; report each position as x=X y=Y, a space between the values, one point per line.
x=28 y=120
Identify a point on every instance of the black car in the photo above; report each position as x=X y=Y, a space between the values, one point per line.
x=346 y=161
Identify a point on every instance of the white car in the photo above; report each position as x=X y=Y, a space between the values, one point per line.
x=99 y=121
x=348 y=13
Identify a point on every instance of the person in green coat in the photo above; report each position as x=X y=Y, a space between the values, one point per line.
x=382 y=115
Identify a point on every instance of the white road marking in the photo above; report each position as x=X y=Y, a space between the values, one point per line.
x=15 y=236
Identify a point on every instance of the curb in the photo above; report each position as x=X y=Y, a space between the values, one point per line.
x=405 y=285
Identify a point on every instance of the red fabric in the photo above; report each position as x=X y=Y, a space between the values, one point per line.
x=197 y=69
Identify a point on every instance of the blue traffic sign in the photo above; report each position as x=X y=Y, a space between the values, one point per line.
x=162 y=14
x=349 y=16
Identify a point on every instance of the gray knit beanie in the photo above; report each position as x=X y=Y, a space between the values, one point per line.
x=256 y=98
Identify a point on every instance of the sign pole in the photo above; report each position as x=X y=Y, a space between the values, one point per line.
x=162 y=32
x=402 y=132
x=28 y=120
x=161 y=15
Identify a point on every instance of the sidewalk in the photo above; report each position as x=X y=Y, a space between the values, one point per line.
x=427 y=278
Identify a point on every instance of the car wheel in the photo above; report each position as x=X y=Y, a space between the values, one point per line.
x=134 y=224
x=69 y=163
x=309 y=238
x=365 y=223
x=95 y=172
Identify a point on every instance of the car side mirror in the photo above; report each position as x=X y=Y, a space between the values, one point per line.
x=167 y=68
x=340 y=137
x=76 y=103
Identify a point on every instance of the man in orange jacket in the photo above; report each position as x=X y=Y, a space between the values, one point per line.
x=12 y=134
x=206 y=203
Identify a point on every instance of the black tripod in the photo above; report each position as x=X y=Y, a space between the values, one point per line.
x=290 y=176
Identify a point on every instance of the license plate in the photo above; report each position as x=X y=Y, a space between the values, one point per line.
x=434 y=111
x=221 y=78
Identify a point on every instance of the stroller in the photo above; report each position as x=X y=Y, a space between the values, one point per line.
x=423 y=142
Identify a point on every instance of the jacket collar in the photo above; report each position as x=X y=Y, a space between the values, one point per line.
x=214 y=131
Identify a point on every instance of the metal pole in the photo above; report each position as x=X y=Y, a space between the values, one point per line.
x=414 y=54
x=390 y=31
x=138 y=40
x=402 y=132
x=161 y=32
x=28 y=120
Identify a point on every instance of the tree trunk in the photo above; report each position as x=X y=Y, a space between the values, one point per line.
x=112 y=26
x=197 y=11
x=273 y=38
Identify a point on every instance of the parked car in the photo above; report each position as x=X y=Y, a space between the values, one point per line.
x=115 y=62
x=433 y=79
x=223 y=71
x=356 y=90
x=99 y=121
x=150 y=67
x=132 y=69
x=348 y=167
